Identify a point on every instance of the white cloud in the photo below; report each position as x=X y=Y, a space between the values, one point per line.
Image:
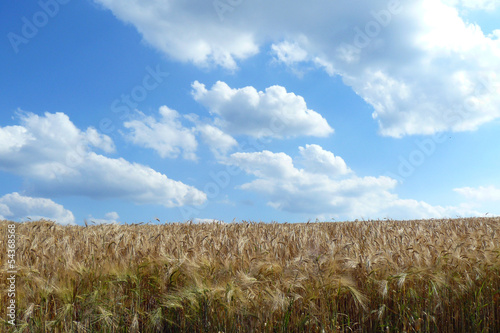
x=318 y=188
x=265 y=164
x=274 y=113
x=289 y=53
x=481 y=193
x=438 y=77
x=103 y=142
x=13 y=138
x=207 y=221
x=60 y=132
x=295 y=57
x=16 y=207
x=219 y=142
x=56 y=158
x=166 y=136
x=186 y=31
x=318 y=160
x=109 y=218
x=417 y=63
x=4 y=211
x=488 y=5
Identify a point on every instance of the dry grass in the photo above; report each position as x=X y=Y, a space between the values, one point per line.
x=387 y=276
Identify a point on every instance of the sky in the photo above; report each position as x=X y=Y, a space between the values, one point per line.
x=232 y=110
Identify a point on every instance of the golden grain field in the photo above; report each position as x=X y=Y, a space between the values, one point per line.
x=370 y=276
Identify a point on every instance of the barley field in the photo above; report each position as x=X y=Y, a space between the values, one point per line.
x=368 y=276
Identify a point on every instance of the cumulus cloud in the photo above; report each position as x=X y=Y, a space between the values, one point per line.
x=13 y=138
x=56 y=158
x=326 y=186
x=274 y=112
x=318 y=160
x=420 y=66
x=17 y=207
x=481 y=193
x=289 y=53
x=220 y=143
x=109 y=218
x=168 y=25
x=167 y=136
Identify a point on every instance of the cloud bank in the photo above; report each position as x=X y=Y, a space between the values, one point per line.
x=56 y=158
x=480 y=194
x=17 y=207
x=420 y=66
x=326 y=187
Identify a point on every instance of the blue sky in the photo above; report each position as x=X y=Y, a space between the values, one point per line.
x=249 y=110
